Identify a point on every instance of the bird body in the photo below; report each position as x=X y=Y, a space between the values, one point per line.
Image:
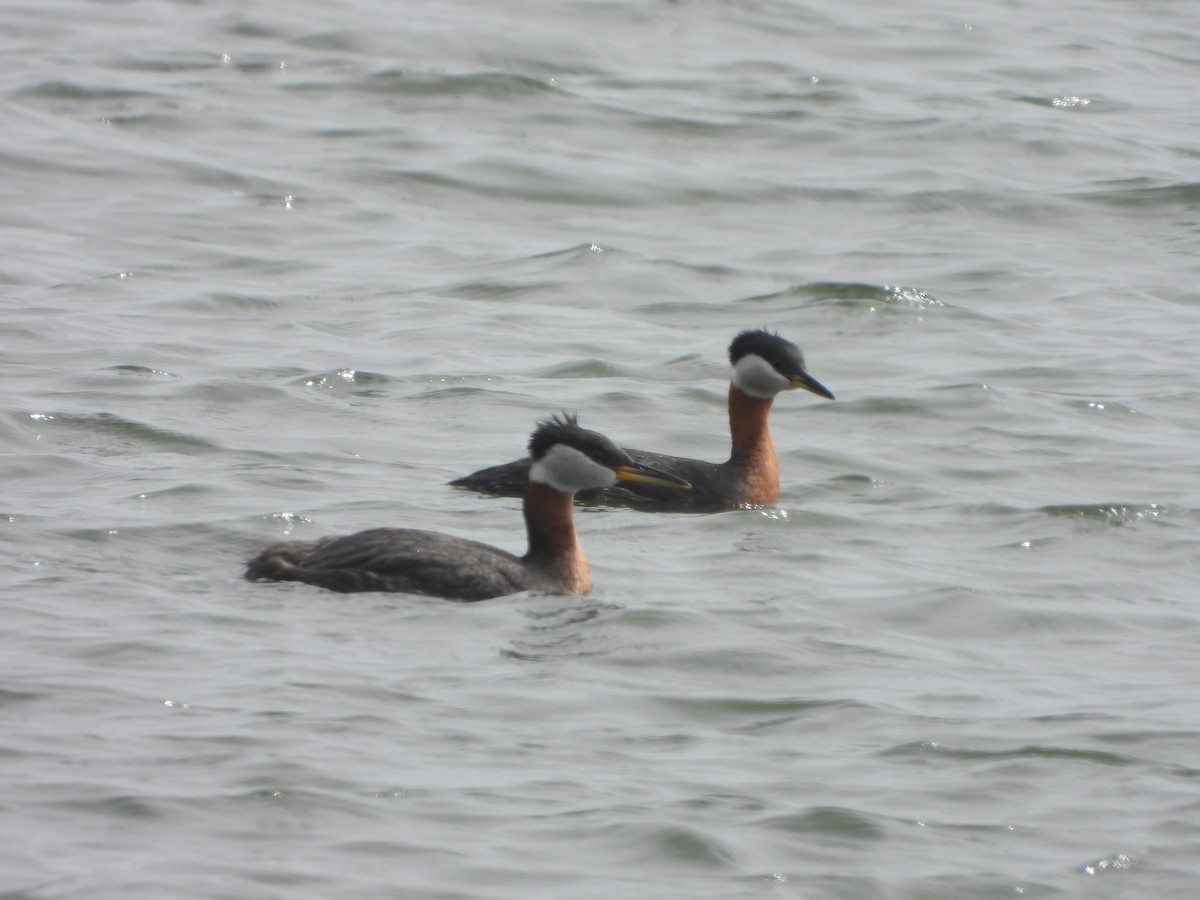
x=401 y=560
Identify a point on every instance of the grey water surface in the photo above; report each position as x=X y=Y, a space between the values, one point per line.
x=277 y=269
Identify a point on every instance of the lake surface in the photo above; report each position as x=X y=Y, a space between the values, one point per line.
x=283 y=269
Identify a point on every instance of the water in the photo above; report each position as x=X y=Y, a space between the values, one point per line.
x=285 y=268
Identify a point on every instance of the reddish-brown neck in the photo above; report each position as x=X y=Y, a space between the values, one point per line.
x=753 y=455
x=553 y=547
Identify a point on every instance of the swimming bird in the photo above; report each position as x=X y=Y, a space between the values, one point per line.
x=764 y=364
x=566 y=458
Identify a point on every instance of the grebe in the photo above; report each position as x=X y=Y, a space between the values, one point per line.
x=764 y=364
x=566 y=458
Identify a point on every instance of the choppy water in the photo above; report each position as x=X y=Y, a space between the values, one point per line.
x=286 y=268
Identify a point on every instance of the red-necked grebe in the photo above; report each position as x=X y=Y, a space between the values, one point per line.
x=566 y=458
x=764 y=364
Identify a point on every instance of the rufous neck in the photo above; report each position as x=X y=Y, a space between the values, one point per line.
x=553 y=546
x=752 y=452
